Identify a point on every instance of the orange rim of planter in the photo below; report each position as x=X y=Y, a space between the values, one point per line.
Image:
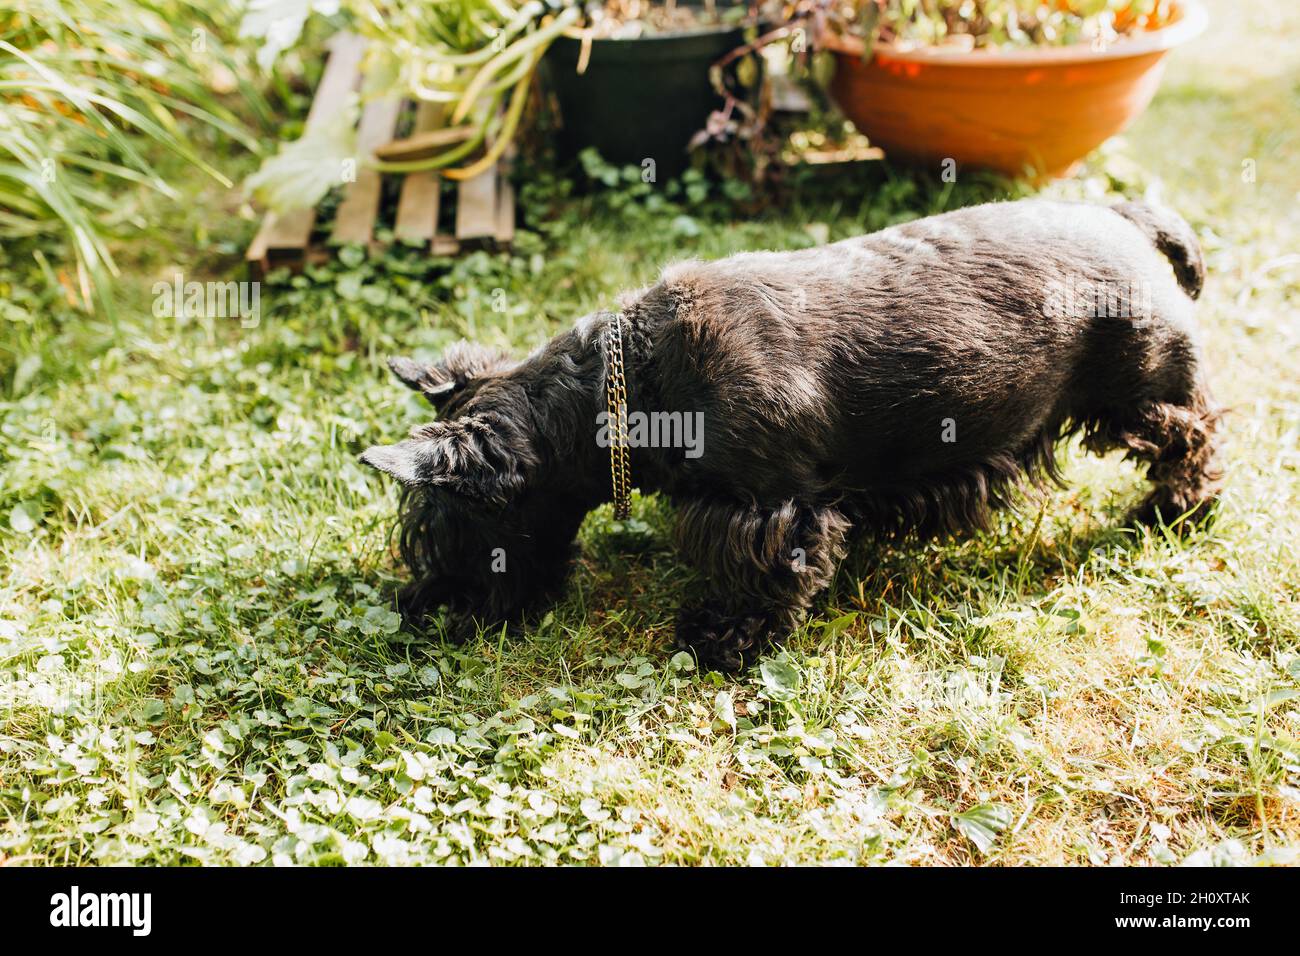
x=1036 y=111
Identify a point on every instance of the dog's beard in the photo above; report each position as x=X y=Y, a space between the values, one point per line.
x=487 y=567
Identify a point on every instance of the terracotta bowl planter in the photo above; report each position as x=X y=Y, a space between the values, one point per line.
x=1021 y=112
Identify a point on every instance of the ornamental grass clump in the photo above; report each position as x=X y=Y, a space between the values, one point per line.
x=91 y=91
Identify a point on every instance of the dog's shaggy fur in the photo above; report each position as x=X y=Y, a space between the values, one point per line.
x=899 y=383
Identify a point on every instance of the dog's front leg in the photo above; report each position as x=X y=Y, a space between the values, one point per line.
x=762 y=569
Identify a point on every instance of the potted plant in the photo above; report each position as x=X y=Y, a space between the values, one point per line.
x=1018 y=86
x=634 y=82
x=475 y=58
x=634 y=75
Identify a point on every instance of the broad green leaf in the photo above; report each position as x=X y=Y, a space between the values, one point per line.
x=21 y=519
x=300 y=175
x=779 y=678
x=982 y=823
x=724 y=709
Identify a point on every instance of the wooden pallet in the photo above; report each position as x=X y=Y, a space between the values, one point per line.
x=789 y=98
x=484 y=205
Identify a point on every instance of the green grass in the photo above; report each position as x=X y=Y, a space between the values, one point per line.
x=199 y=660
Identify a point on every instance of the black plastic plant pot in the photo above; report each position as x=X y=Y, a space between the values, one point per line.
x=638 y=99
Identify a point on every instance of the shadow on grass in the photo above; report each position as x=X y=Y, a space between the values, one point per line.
x=627 y=581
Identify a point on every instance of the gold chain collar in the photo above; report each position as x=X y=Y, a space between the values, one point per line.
x=620 y=467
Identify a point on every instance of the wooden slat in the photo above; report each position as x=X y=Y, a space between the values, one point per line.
x=342 y=72
x=505 y=225
x=256 y=254
x=417 y=207
x=476 y=206
x=355 y=219
x=505 y=217
x=842 y=156
x=281 y=239
x=286 y=236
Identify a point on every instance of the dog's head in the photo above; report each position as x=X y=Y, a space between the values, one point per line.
x=478 y=535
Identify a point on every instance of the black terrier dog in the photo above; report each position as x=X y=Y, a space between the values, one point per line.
x=903 y=382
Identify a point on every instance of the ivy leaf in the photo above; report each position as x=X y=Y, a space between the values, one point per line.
x=352 y=255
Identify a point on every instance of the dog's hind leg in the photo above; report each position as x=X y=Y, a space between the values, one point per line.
x=1180 y=443
x=762 y=568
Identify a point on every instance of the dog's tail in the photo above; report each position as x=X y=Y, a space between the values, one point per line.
x=1171 y=234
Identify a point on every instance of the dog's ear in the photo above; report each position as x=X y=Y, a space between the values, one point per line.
x=461 y=363
x=481 y=457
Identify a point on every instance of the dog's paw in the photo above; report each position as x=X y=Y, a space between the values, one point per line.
x=723 y=642
x=1180 y=516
